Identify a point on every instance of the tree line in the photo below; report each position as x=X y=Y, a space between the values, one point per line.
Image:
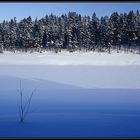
x=73 y=32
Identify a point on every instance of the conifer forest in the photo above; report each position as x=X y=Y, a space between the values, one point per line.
x=73 y=32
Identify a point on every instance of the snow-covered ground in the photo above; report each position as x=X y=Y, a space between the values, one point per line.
x=73 y=98
x=80 y=76
x=66 y=58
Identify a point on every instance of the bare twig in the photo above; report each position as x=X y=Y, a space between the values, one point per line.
x=24 y=109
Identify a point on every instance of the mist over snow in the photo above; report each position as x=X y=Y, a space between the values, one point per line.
x=87 y=70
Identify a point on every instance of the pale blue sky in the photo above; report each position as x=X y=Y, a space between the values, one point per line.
x=23 y=10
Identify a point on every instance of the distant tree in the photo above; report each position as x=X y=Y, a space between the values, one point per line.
x=94 y=30
x=37 y=41
x=44 y=40
x=13 y=32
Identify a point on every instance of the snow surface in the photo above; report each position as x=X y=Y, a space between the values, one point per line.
x=80 y=76
x=72 y=99
x=66 y=58
x=59 y=110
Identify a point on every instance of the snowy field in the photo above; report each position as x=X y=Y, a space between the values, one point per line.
x=66 y=58
x=78 y=95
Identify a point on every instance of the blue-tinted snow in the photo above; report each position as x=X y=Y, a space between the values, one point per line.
x=62 y=109
x=80 y=76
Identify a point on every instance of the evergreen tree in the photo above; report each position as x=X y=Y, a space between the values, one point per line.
x=94 y=30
